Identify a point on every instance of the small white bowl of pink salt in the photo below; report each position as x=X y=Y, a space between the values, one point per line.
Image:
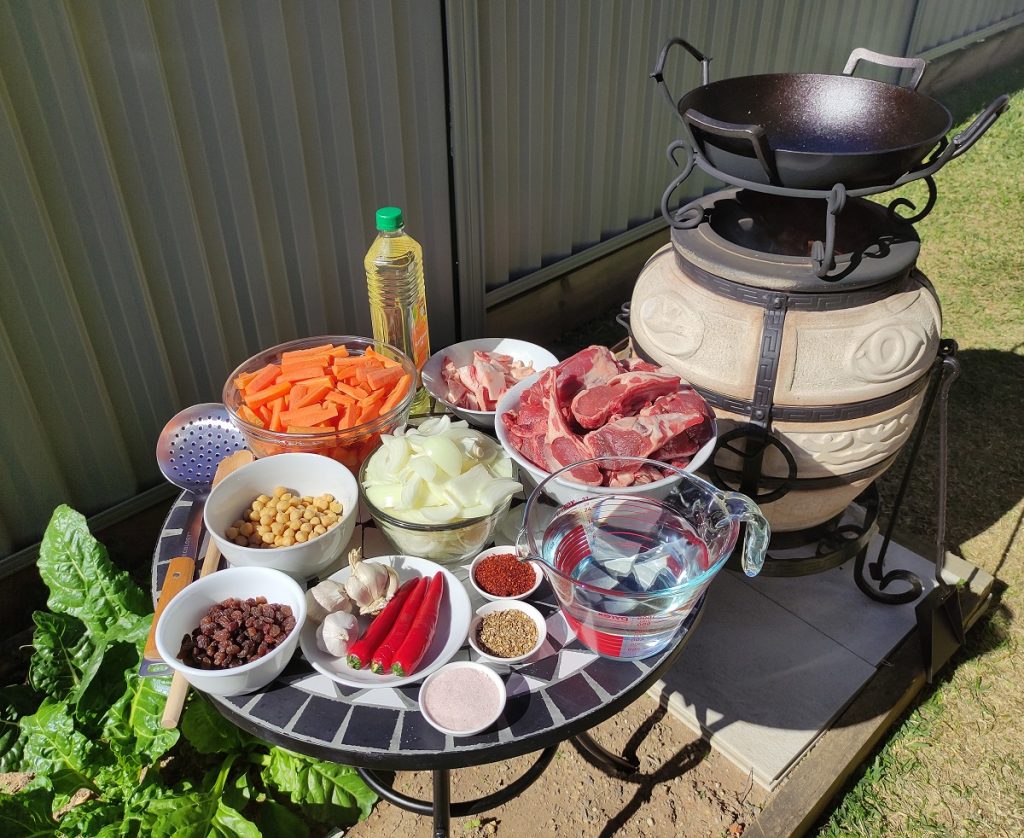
x=462 y=698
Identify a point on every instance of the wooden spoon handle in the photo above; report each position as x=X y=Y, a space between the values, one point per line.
x=179 y=686
x=175 y=702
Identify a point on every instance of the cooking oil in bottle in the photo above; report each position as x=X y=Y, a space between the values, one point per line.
x=394 y=283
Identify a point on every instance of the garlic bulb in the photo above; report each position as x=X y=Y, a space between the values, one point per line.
x=325 y=598
x=370 y=584
x=336 y=632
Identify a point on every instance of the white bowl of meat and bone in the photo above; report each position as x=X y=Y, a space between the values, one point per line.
x=592 y=405
x=469 y=377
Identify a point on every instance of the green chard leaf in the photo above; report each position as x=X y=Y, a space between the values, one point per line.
x=274 y=818
x=15 y=701
x=200 y=814
x=94 y=818
x=84 y=583
x=73 y=665
x=54 y=750
x=326 y=791
x=210 y=733
x=62 y=652
x=27 y=814
x=132 y=725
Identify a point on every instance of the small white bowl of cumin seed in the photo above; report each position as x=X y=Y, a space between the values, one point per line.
x=513 y=630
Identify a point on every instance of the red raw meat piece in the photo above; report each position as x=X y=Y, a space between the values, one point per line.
x=638 y=436
x=587 y=368
x=541 y=434
x=620 y=396
x=640 y=365
x=644 y=474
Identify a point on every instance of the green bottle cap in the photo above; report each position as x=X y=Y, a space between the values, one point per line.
x=389 y=218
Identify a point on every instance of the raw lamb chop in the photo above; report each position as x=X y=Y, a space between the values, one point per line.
x=639 y=436
x=620 y=396
x=540 y=432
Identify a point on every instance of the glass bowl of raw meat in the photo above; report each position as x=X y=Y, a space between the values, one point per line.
x=470 y=377
x=593 y=405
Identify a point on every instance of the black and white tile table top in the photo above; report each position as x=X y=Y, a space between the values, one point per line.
x=563 y=690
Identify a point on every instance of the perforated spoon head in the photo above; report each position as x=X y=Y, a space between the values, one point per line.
x=193 y=443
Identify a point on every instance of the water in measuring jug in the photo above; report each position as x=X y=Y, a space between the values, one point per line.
x=630 y=560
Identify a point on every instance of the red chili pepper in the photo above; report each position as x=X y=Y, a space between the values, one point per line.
x=380 y=662
x=359 y=652
x=414 y=647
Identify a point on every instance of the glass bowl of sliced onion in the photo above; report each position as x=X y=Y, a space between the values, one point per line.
x=438 y=491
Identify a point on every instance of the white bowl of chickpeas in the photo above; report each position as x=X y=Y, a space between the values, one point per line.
x=292 y=512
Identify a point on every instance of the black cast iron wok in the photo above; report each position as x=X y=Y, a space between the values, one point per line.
x=811 y=131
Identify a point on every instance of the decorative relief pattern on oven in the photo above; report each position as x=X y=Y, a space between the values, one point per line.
x=894 y=347
x=674 y=326
x=852 y=449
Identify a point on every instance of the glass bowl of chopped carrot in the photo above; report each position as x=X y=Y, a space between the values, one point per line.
x=332 y=395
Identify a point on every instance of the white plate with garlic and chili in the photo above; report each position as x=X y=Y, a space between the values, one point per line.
x=377 y=579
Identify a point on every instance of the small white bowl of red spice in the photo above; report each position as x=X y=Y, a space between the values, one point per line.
x=498 y=573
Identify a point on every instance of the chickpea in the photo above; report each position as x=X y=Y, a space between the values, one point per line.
x=285 y=518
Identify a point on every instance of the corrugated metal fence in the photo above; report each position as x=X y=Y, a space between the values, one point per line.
x=182 y=184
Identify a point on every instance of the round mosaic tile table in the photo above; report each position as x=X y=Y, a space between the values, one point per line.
x=560 y=693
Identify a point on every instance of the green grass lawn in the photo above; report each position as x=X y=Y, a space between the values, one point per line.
x=955 y=764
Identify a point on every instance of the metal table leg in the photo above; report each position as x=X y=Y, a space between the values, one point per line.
x=442 y=803
x=442 y=809
x=610 y=763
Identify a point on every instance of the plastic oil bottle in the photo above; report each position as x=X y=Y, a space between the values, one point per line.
x=398 y=302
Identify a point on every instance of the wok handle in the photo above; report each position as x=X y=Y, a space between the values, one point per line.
x=659 y=67
x=973 y=132
x=918 y=65
x=754 y=134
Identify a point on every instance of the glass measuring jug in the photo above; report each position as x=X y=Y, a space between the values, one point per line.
x=626 y=566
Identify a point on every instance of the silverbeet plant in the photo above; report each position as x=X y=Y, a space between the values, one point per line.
x=85 y=729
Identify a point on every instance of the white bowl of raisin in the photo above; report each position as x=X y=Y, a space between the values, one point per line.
x=234 y=631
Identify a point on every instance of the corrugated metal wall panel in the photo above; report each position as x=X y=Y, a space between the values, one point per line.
x=558 y=132
x=184 y=184
x=941 y=21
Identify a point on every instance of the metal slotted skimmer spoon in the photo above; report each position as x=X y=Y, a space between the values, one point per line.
x=188 y=451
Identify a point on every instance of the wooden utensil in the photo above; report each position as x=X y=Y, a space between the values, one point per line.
x=179 y=686
x=180 y=572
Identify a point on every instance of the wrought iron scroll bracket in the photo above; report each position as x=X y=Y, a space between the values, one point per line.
x=944 y=372
x=823 y=255
x=689 y=216
x=904 y=202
